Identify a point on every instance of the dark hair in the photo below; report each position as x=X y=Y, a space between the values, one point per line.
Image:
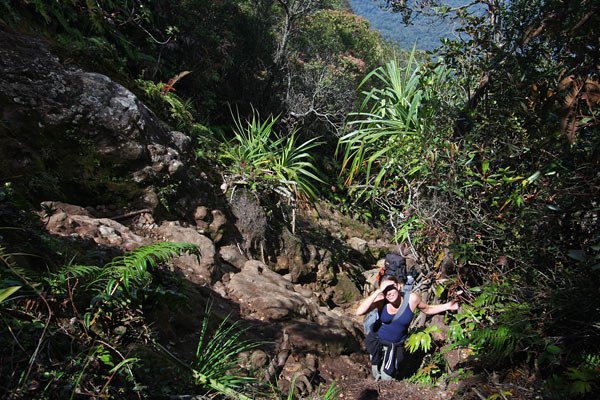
x=388 y=278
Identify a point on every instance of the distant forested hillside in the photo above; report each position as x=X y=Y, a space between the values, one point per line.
x=425 y=32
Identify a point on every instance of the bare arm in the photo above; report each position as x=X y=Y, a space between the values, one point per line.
x=370 y=303
x=430 y=309
x=375 y=300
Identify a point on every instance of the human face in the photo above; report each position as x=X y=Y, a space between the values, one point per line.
x=391 y=293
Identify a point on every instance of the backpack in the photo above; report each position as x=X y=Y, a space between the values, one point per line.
x=394 y=265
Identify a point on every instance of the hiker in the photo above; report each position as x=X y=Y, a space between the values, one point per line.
x=385 y=341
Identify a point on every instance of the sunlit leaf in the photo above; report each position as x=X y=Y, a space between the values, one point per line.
x=6 y=293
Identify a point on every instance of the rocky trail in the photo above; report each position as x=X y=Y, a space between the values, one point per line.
x=302 y=338
x=294 y=279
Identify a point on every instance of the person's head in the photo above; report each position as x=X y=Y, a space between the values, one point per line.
x=388 y=278
x=392 y=292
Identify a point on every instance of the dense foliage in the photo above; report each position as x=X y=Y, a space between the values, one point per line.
x=502 y=173
x=329 y=55
x=80 y=328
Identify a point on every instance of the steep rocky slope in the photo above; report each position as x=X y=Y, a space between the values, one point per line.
x=94 y=160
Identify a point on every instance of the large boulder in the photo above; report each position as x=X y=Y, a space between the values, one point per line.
x=198 y=270
x=345 y=291
x=78 y=135
x=73 y=221
x=266 y=296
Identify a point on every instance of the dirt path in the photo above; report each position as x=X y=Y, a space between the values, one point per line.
x=354 y=379
x=364 y=389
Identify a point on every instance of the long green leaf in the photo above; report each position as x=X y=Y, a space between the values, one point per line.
x=6 y=293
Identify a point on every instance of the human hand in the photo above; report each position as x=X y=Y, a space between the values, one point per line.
x=452 y=305
x=387 y=285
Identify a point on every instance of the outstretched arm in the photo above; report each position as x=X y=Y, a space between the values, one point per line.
x=431 y=309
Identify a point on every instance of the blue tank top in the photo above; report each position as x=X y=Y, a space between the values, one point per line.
x=396 y=330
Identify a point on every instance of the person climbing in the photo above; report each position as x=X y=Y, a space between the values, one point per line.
x=385 y=341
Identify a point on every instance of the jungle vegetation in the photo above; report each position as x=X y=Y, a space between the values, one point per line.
x=486 y=151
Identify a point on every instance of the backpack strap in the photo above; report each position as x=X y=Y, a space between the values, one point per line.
x=407 y=291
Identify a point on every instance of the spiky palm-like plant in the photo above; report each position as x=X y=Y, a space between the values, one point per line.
x=392 y=135
x=258 y=153
x=391 y=118
x=293 y=166
x=251 y=148
x=216 y=353
x=214 y=365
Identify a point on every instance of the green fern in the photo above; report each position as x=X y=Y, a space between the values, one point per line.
x=499 y=341
x=496 y=327
x=488 y=296
x=129 y=271
x=132 y=267
x=421 y=340
x=58 y=281
x=78 y=271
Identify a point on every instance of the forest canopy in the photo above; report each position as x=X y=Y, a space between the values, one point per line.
x=423 y=32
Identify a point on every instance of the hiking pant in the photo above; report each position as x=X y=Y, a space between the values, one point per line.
x=379 y=370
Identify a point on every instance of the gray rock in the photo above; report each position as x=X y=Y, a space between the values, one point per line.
x=216 y=226
x=57 y=206
x=101 y=230
x=176 y=168
x=181 y=142
x=258 y=359
x=232 y=255
x=358 y=244
x=202 y=270
x=43 y=100
x=150 y=199
x=200 y=213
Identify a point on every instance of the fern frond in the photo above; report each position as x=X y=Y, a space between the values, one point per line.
x=79 y=271
x=58 y=280
x=498 y=343
x=133 y=266
x=487 y=298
